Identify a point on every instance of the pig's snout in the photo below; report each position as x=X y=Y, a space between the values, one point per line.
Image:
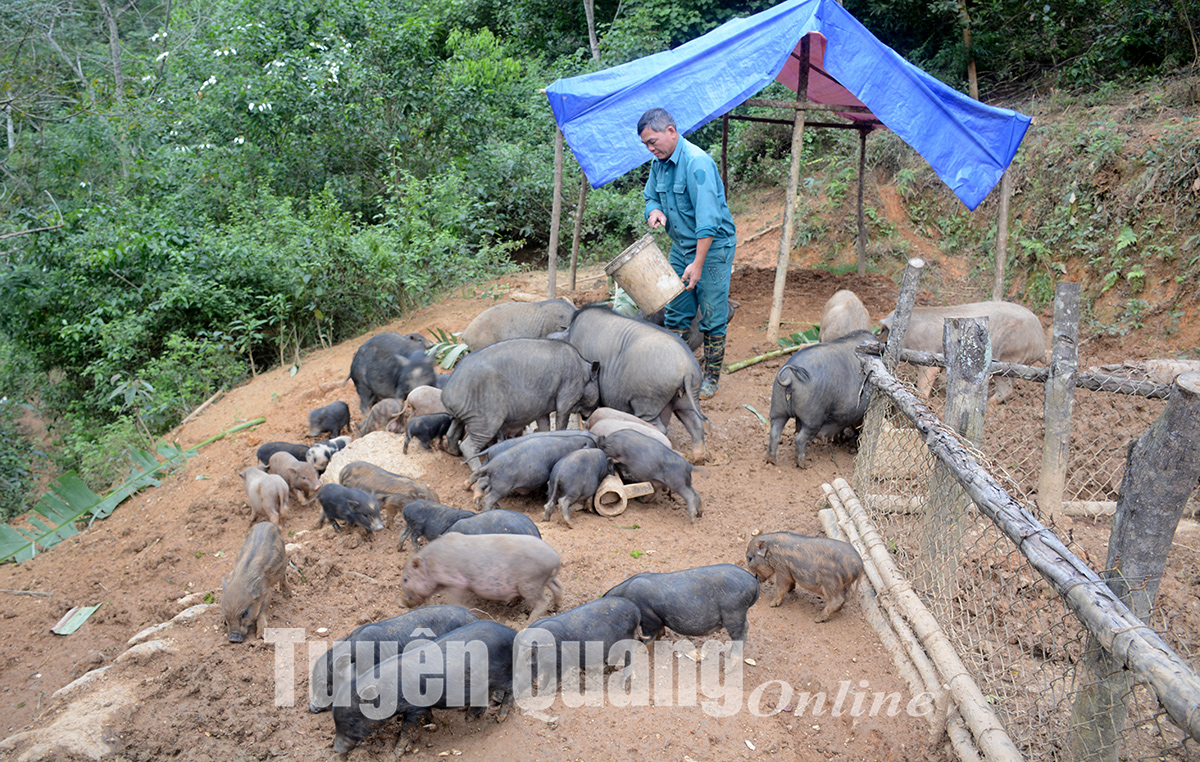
x=341 y=744
x=236 y=637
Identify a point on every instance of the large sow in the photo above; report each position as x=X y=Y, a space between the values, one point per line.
x=644 y=370
x=389 y=365
x=823 y=388
x=518 y=320
x=512 y=384
x=1015 y=333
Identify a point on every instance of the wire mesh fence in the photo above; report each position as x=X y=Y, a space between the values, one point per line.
x=1025 y=647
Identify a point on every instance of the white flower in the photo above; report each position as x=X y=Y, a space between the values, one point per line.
x=148 y=77
x=239 y=140
x=162 y=55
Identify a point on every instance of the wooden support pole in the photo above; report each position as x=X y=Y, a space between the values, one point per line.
x=555 y=213
x=802 y=103
x=1060 y=399
x=583 y=191
x=1160 y=476
x=1002 y=237
x=1119 y=632
x=789 y=203
x=968 y=354
x=862 y=181
x=725 y=153
x=904 y=307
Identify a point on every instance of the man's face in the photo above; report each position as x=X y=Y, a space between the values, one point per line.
x=661 y=144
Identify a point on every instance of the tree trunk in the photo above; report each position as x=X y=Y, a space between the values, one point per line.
x=114 y=50
x=972 y=79
x=589 y=7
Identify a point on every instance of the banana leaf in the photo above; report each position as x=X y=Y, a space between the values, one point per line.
x=69 y=500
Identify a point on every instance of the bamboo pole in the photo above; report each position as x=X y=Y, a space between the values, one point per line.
x=583 y=191
x=1059 y=399
x=892 y=631
x=862 y=226
x=1117 y=629
x=764 y=356
x=989 y=734
x=555 y=213
x=789 y=203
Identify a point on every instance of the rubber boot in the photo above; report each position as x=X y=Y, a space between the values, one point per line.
x=714 y=357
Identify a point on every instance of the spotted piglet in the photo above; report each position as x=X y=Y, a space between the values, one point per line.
x=820 y=565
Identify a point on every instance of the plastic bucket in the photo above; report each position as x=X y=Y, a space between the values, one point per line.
x=645 y=274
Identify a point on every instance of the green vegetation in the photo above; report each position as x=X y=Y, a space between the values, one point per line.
x=195 y=192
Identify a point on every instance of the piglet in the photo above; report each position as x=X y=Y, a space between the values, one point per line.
x=332 y=418
x=348 y=505
x=260 y=564
x=575 y=479
x=427 y=428
x=820 y=565
x=496 y=567
x=321 y=453
x=386 y=415
x=301 y=476
x=267 y=495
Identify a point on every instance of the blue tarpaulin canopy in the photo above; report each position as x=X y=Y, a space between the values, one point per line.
x=969 y=144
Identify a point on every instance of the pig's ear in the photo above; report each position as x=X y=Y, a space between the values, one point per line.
x=341 y=667
x=369 y=693
x=416 y=563
x=760 y=545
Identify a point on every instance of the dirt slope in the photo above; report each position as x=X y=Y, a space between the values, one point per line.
x=204 y=698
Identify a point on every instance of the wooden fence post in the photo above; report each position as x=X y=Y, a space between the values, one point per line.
x=583 y=191
x=904 y=307
x=968 y=353
x=1059 y=400
x=1160 y=475
x=555 y=213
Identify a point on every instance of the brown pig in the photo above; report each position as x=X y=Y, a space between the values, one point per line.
x=260 y=564
x=386 y=415
x=844 y=313
x=393 y=490
x=267 y=495
x=820 y=565
x=496 y=567
x=301 y=476
x=424 y=400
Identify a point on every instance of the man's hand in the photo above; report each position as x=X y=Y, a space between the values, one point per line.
x=691 y=275
x=656 y=219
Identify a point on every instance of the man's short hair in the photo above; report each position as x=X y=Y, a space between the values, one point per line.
x=657 y=119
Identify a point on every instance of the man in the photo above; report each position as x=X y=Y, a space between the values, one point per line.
x=684 y=193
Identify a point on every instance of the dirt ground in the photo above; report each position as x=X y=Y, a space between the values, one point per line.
x=201 y=698
x=204 y=698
